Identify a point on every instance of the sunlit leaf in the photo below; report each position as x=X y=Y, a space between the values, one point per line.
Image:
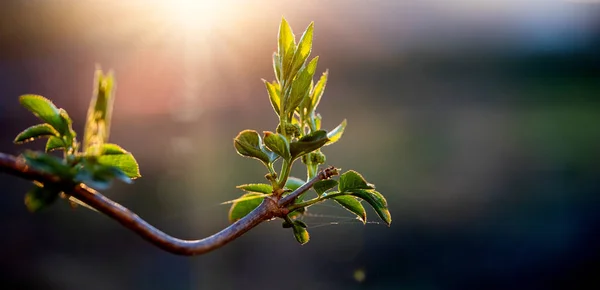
x=277 y=66
x=36 y=131
x=274 y=95
x=351 y=180
x=244 y=198
x=300 y=233
x=112 y=149
x=301 y=86
x=278 y=144
x=324 y=185
x=54 y=143
x=318 y=120
x=68 y=134
x=248 y=143
x=256 y=187
x=317 y=91
x=45 y=110
x=377 y=201
x=286 y=45
x=124 y=162
x=336 y=133
x=303 y=50
x=350 y=203
x=97 y=126
x=242 y=208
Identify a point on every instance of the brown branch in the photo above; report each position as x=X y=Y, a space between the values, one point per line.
x=321 y=175
x=267 y=210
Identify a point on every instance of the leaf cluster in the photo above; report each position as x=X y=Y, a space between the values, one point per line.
x=96 y=163
x=295 y=97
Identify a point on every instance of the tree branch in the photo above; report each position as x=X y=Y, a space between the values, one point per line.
x=268 y=209
x=321 y=175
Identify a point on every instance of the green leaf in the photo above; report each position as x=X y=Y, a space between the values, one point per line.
x=336 y=133
x=286 y=45
x=286 y=37
x=86 y=177
x=97 y=126
x=112 y=149
x=100 y=176
x=294 y=183
x=301 y=86
x=47 y=163
x=286 y=224
x=324 y=185
x=350 y=203
x=68 y=134
x=351 y=180
x=248 y=143
x=54 y=143
x=274 y=95
x=105 y=149
x=303 y=50
x=377 y=201
x=40 y=197
x=45 y=110
x=240 y=209
x=317 y=92
x=277 y=66
x=37 y=131
x=244 y=198
x=308 y=143
x=124 y=162
x=318 y=119
x=278 y=144
x=256 y=187
x=300 y=223
x=111 y=172
x=300 y=233
x=298 y=212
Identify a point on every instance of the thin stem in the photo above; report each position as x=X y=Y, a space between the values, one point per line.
x=314 y=201
x=311 y=169
x=268 y=209
x=286 y=167
x=271 y=169
x=305 y=204
x=322 y=175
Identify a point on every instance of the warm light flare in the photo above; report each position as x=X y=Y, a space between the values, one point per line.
x=191 y=15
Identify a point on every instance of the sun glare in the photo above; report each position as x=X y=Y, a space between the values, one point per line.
x=192 y=15
x=181 y=38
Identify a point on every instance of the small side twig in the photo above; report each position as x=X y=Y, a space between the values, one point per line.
x=321 y=175
x=268 y=209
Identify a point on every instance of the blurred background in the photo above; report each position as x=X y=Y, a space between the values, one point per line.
x=478 y=120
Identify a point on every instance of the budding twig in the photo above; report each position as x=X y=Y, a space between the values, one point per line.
x=265 y=211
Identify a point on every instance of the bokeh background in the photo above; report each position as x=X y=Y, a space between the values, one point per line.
x=479 y=120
